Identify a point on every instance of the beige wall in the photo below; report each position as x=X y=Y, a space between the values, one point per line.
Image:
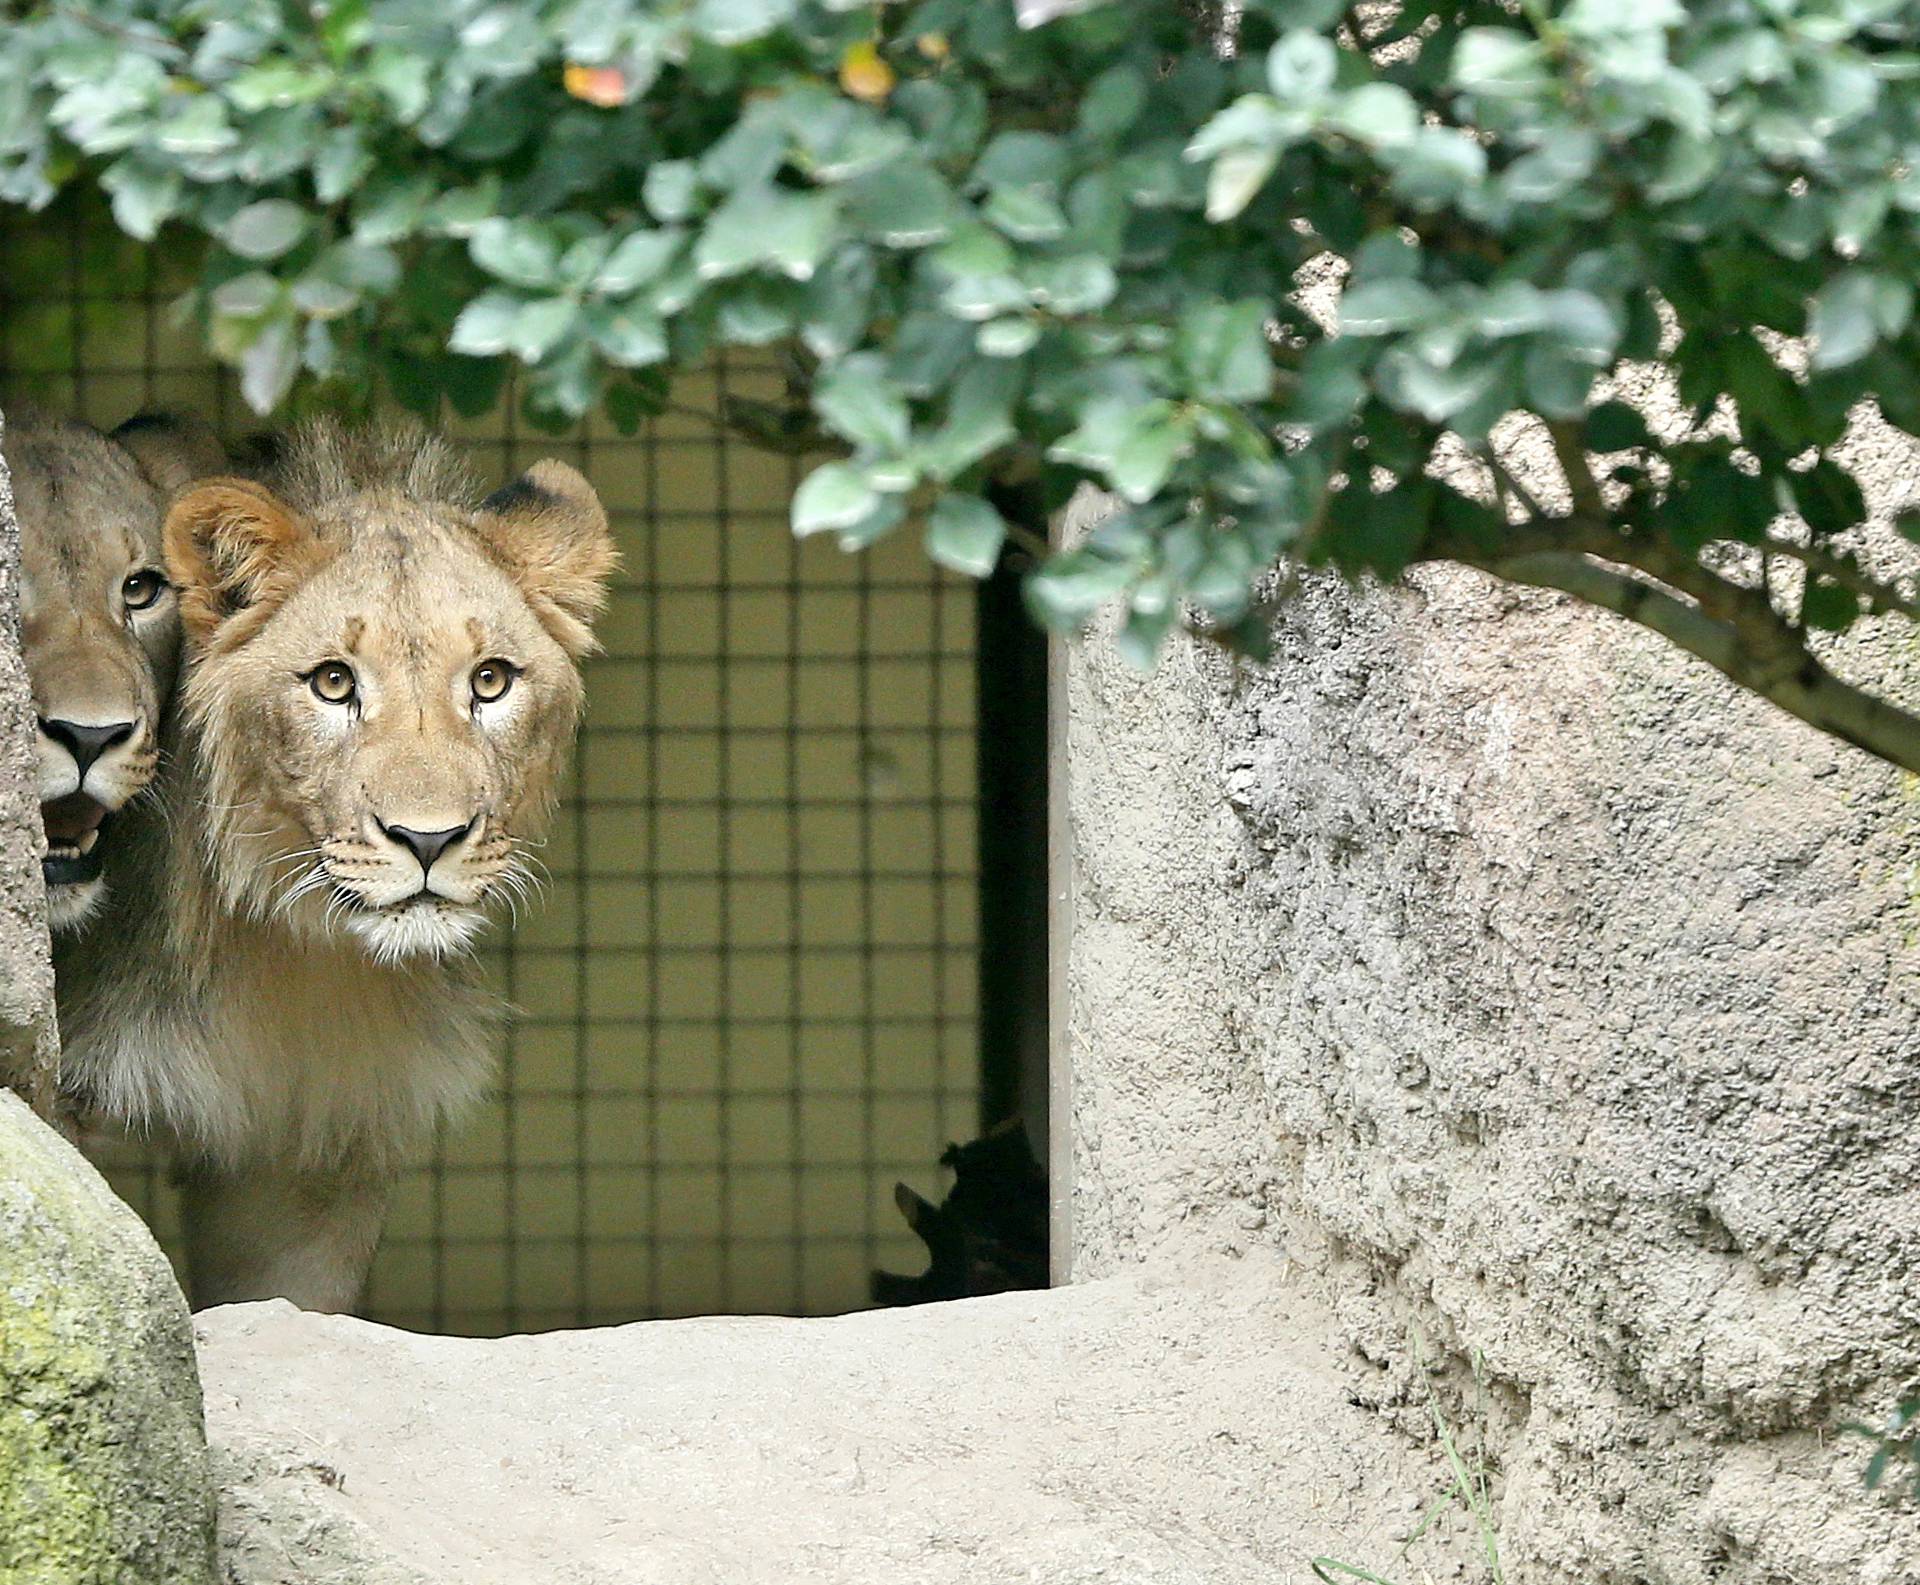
x=746 y=1002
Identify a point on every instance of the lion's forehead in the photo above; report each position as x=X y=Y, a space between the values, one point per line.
x=396 y=583
x=85 y=515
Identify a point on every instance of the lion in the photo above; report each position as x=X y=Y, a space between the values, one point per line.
x=98 y=625
x=380 y=692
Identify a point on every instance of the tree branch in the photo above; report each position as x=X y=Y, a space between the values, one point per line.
x=1743 y=638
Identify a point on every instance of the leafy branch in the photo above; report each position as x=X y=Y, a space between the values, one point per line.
x=1089 y=243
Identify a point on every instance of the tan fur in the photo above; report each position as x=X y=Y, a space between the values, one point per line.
x=89 y=507
x=303 y=1012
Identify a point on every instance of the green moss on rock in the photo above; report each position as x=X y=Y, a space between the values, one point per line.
x=104 y=1475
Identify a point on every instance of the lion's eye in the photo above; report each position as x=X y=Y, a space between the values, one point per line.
x=142 y=589
x=333 y=681
x=491 y=679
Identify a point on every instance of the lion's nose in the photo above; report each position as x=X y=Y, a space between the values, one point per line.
x=426 y=846
x=87 y=743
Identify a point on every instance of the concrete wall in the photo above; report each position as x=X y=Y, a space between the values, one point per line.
x=28 y=1042
x=1553 y=1006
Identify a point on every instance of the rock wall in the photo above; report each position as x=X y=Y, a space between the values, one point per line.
x=103 y=1460
x=29 y=1047
x=1555 y=1006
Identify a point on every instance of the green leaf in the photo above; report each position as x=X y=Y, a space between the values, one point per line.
x=1770 y=401
x=1500 y=63
x=1828 y=497
x=1022 y=159
x=1078 y=283
x=731 y=22
x=1382 y=115
x=1556 y=382
x=1513 y=308
x=1253 y=121
x=671 y=189
x=906 y=205
x=1330 y=388
x=1144 y=634
x=484 y=325
x=630 y=338
x=979 y=419
x=400 y=75
x=856 y=400
x=835 y=495
x=1158 y=443
x=839 y=303
x=144 y=197
x=268 y=366
x=519 y=252
x=965 y=533
x=1436 y=167
x=887 y=514
x=1302 y=66
x=980 y=297
x=1113 y=102
x=1027 y=214
x=1106 y=427
x=1614 y=426
x=319 y=297
x=1134 y=444
x=1007 y=338
x=1583 y=325
x=766 y=226
x=639 y=257
x=539 y=327
x=265 y=230
x=1852 y=312
x=1224 y=349
x=463 y=210
x=1067 y=590
x=1237 y=176
x=1441 y=391
x=341 y=164
x=277 y=84
x=1828 y=607
x=756 y=312
x=246 y=296
x=1378 y=308
x=1379 y=534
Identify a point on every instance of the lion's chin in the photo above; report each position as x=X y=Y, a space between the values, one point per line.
x=420 y=929
x=70 y=904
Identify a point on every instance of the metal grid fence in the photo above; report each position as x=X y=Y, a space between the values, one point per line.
x=748 y=1003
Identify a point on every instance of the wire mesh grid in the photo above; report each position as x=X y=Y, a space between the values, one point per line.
x=748 y=1002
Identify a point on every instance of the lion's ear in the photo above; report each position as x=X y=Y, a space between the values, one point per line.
x=172 y=449
x=548 y=529
x=230 y=545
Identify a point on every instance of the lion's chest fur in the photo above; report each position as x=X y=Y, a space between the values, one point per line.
x=237 y=1041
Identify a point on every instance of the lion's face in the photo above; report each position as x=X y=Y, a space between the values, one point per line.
x=99 y=626
x=384 y=694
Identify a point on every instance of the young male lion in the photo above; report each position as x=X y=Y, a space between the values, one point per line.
x=380 y=692
x=97 y=623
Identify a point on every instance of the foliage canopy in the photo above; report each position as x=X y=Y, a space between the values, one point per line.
x=1016 y=247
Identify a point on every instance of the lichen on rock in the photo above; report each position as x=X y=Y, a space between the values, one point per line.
x=104 y=1474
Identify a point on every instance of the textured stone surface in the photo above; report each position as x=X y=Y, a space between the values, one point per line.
x=103 y=1464
x=1181 y=1428
x=28 y=1045
x=1553 y=1004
